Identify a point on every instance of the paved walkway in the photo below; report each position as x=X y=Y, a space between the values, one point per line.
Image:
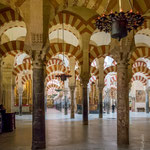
x=62 y=133
x=53 y=114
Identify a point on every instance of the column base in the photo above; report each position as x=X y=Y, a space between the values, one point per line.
x=85 y=122
x=72 y=116
x=123 y=136
x=38 y=145
x=66 y=112
x=100 y=115
x=123 y=142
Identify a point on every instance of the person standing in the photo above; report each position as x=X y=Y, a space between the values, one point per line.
x=113 y=108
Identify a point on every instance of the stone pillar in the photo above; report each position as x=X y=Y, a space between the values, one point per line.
x=38 y=121
x=65 y=96
x=100 y=102
x=20 y=91
x=121 y=51
x=72 y=83
x=147 y=101
x=122 y=103
x=0 y=81
x=108 y=101
x=100 y=63
x=85 y=99
x=65 y=106
x=85 y=73
x=72 y=90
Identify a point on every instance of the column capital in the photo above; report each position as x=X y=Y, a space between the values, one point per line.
x=122 y=50
x=72 y=87
x=86 y=36
x=38 y=58
x=85 y=78
x=100 y=87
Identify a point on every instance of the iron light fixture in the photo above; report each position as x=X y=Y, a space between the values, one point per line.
x=119 y=24
x=58 y=90
x=63 y=76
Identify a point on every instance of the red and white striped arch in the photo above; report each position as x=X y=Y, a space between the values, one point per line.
x=114 y=63
x=11 y=25
x=75 y=21
x=142 y=69
x=7 y=15
x=138 y=53
x=27 y=60
x=56 y=48
x=12 y=48
x=26 y=78
x=98 y=51
x=139 y=78
x=94 y=71
x=51 y=86
x=18 y=69
x=92 y=79
x=51 y=91
x=50 y=78
x=113 y=79
x=54 y=61
x=54 y=68
x=77 y=77
x=110 y=69
x=139 y=64
x=16 y=80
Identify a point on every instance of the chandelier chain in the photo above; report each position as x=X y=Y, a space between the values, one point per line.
x=106 y=7
x=131 y=5
x=63 y=36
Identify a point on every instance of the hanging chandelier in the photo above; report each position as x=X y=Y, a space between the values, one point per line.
x=53 y=95
x=58 y=90
x=119 y=23
x=63 y=76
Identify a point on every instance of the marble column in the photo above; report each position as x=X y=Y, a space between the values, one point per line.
x=100 y=63
x=108 y=101
x=100 y=102
x=38 y=121
x=85 y=100
x=0 y=81
x=72 y=90
x=65 y=98
x=20 y=91
x=147 y=101
x=122 y=104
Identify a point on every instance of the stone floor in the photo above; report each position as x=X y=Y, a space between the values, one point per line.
x=62 y=133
